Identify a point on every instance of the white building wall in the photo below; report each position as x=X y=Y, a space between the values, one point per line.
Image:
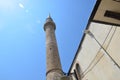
x=94 y=61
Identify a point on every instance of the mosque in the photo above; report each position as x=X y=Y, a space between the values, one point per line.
x=98 y=54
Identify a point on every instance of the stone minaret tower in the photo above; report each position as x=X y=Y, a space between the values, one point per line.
x=54 y=70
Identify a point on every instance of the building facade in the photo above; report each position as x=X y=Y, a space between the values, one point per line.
x=98 y=55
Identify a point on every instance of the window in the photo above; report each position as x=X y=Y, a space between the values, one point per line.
x=117 y=0
x=78 y=68
x=77 y=72
x=75 y=75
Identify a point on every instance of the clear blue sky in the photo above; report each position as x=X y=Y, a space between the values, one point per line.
x=22 y=38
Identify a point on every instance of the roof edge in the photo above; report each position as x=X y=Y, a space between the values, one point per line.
x=89 y=21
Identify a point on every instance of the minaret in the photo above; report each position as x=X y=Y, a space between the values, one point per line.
x=54 y=69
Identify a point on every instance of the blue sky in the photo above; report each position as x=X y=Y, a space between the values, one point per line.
x=22 y=38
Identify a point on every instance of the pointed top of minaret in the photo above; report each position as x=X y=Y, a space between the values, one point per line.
x=49 y=16
x=49 y=21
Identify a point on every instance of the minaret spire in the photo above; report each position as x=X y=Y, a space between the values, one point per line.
x=54 y=69
x=49 y=16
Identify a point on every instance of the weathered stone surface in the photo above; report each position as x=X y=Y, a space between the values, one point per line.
x=54 y=70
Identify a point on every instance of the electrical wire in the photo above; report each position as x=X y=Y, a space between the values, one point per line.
x=84 y=73
x=108 y=54
x=98 y=51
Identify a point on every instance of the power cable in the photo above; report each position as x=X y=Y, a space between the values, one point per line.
x=103 y=54
x=98 y=51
